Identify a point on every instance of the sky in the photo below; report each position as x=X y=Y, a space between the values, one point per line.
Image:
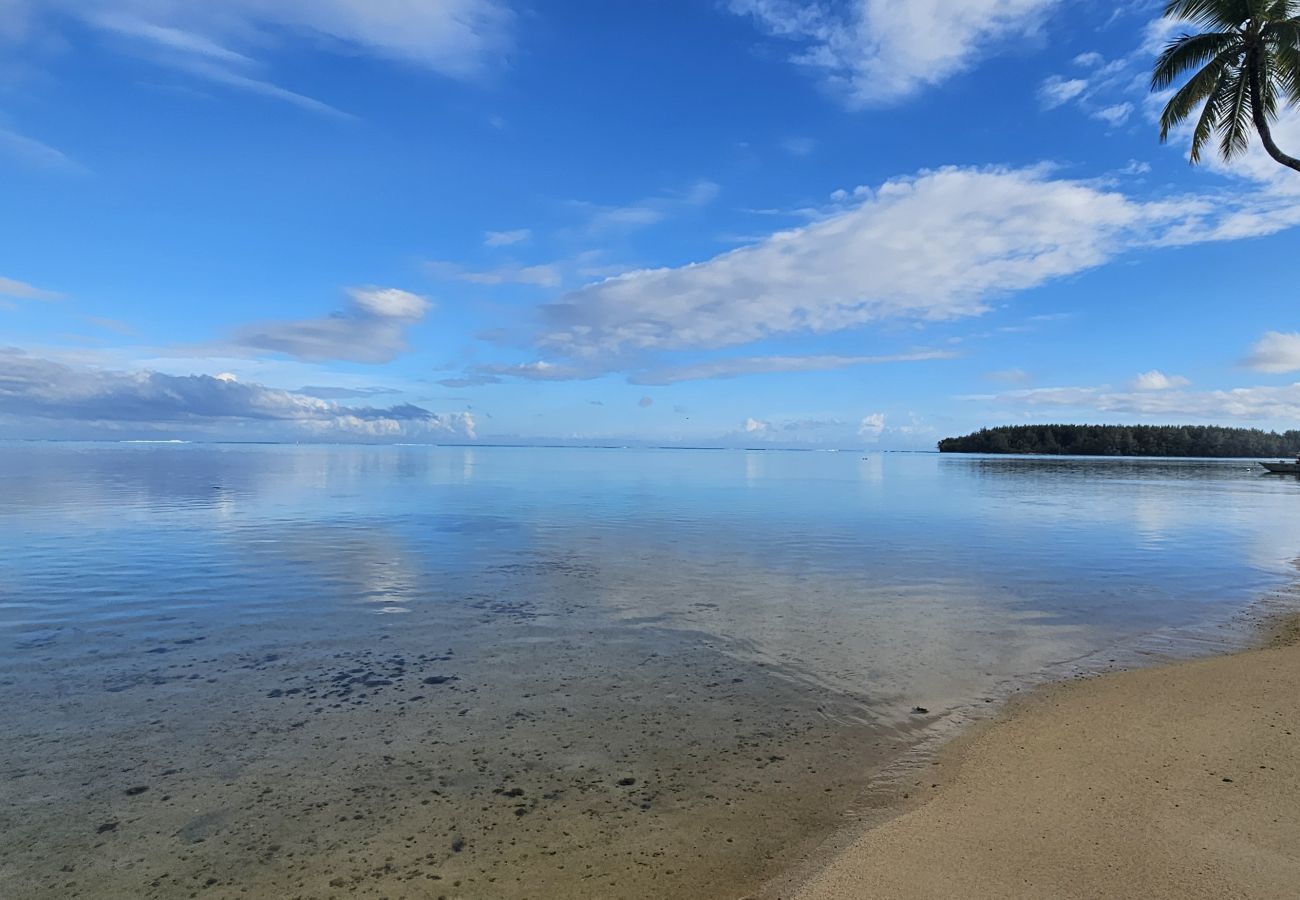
x=736 y=223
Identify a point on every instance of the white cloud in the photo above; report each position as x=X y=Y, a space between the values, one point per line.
x=756 y=365
x=881 y=51
x=1114 y=115
x=872 y=427
x=1260 y=405
x=1155 y=380
x=1089 y=60
x=34 y=390
x=1056 y=91
x=507 y=238
x=546 y=275
x=10 y=287
x=390 y=302
x=756 y=426
x=1276 y=351
x=372 y=329
x=937 y=246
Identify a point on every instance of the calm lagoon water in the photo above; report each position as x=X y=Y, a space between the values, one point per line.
x=502 y=672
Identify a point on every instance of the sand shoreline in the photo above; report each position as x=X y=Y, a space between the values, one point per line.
x=1181 y=780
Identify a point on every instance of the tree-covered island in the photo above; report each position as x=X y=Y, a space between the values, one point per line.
x=1127 y=440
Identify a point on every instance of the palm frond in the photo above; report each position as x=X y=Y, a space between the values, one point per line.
x=1198 y=88
x=1209 y=119
x=1268 y=87
x=1217 y=13
x=1190 y=51
x=1241 y=67
x=1234 y=102
x=1283 y=42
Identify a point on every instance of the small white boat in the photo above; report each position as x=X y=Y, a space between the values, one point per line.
x=1283 y=467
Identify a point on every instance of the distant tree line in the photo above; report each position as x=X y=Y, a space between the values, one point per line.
x=1126 y=440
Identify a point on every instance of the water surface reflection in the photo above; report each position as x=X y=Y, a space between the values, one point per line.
x=504 y=672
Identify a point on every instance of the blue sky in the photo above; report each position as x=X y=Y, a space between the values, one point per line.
x=718 y=222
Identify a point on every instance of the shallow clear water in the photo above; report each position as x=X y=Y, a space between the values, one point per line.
x=505 y=672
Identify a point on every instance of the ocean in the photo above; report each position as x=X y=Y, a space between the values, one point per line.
x=261 y=670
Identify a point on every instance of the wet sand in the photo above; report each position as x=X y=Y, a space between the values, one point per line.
x=1181 y=781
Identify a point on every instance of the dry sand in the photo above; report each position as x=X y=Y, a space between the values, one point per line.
x=1181 y=782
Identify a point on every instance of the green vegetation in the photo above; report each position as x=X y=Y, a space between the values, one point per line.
x=1246 y=60
x=1126 y=440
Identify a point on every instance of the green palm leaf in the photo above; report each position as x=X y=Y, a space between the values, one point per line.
x=1241 y=67
x=1233 y=101
x=1207 y=122
x=1190 y=52
x=1217 y=13
x=1196 y=90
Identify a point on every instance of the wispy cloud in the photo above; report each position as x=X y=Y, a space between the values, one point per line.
x=540 y=370
x=799 y=146
x=337 y=392
x=760 y=365
x=875 y=52
x=165 y=36
x=507 y=238
x=541 y=275
x=1108 y=90
x=1114 y=115
x=114 y=325
x=215 y=41
x=1009 y=376
x=652 y=210
x=1057 y=91
x=734 y=367
x=34 y=154
x=221 y=75
x=21 y=290
x=371 y=329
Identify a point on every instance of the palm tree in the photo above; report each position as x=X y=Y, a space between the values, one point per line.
x=1246 y=58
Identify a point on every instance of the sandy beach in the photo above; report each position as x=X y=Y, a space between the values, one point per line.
x=1179 y=781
